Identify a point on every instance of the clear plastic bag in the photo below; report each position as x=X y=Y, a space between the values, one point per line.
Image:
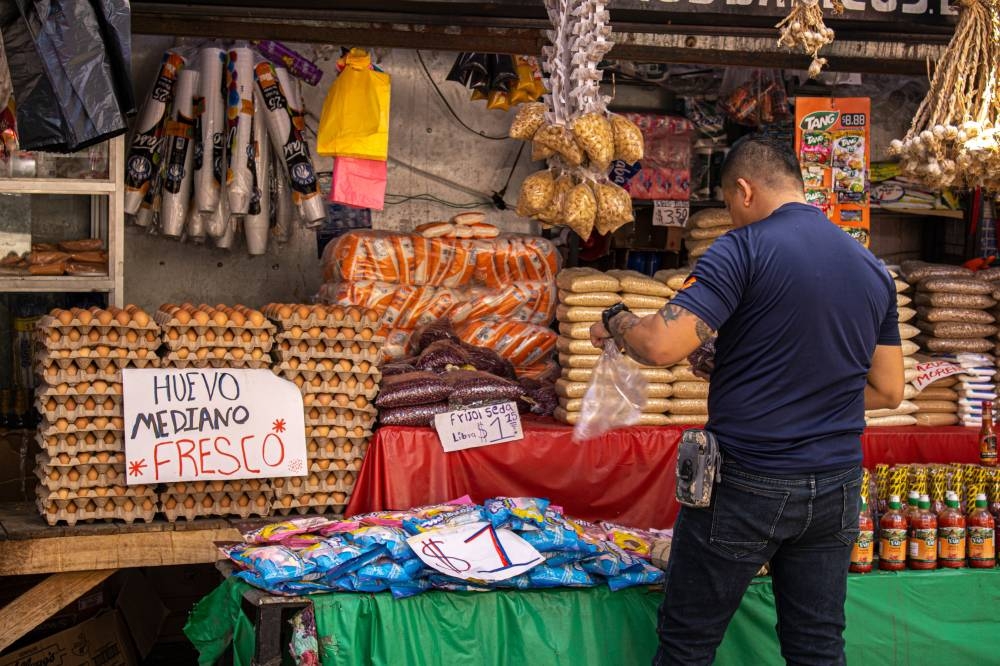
x=614 y=398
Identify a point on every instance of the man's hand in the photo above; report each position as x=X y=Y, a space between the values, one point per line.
x=599 y=335
x=657 y=340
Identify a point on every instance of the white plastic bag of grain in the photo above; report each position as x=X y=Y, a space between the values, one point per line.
x=614 y=398
x=582 y=347
x=581 y=280
x=591 y=299
x=575 y=330
x=577 y=360
x=693 y=390
x=903 y=420
x=905 y=408
x=688 y=419
x=634 y=282
x=575 y=314
x=642 y=301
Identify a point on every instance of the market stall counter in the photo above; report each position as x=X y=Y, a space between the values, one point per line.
x=626 y=475
x=597 y=626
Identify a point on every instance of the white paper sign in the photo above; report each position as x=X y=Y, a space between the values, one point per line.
x=478 y=426
x=207 y=425
x=671 y=213
x=932 y=371
x=475 y=551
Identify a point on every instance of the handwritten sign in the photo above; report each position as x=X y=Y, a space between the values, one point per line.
x=932 y=371
x=667 y=213
x=475 y=551
x=207 y=425
x=478 y=426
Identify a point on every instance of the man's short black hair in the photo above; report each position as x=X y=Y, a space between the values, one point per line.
x=761 y=160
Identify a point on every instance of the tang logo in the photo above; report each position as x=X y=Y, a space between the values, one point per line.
x=819 y=121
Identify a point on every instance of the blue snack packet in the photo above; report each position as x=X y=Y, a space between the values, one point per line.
x=465 y=515
x=516 y=513
x=648 y=575
x=333 y=558
x=267 y=565
x=392 y=538
x=569 y=575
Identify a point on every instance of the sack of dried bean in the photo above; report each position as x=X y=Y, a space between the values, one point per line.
x=471 y=386
x=954 y=345
x=961 y=315
x=946 y=300
x=412 y=388
x=412 y=416
x=915 y=271
x=957 y=329
x=954 y=285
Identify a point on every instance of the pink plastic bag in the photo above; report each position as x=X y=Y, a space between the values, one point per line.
x=359 y=183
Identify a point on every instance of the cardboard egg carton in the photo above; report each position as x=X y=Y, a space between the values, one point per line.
x=225 y=354
x=63 y=426
x=71 y=408
x=340 y=417
x=289 y=315
x=315 y=353
x=339 y=433
x=62 y=391
x=216 y=486
x=54 y=340
x=213 y=319
x=91 y=475
x=321 y=502
x=245 y=340
x=115 y=360
x=333 y=346
x=297 y=334
x=102 y=492
x=172 y=361
x=102 y=321
x=302 y=375
x=196 y=505
x=53 y=375
x=64 y=460
x=87 y=442
x=329 y=449
x=329 y=481
x=350 y=463
x=353 y=386
x=360 y=400
x=73 y=511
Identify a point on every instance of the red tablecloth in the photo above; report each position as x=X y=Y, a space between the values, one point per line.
x=626 y=475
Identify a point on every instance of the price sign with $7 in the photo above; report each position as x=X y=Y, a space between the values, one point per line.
x=476 y=551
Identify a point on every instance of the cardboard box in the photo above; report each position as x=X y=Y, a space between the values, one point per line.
x=100 y=641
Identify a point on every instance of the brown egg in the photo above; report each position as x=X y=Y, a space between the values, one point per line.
x=117 y=423
x=238 y=319
x=238 y=354
x=100 y=422
x=173 y=335
x=246 y=337
x=70 y=405
x=210 y=336
x=90 y=404
x=83 y=457
x=207 y=502
x=337 y=312
x=256 y=318
x=228 y=336
x=189 y=502
x=103 y=456
x=85 y=317
x=299 y=381
x=243 y=500
x=201 y=318
x=112 y=473
x=367 y=334
x=73 y=475
x=92 y=474
x=295 y=331
x=147 y=504
x=219 y=352
x=284 y=312
x=347 y=333
x=65 y=317
x=202 y=353
x=123 y=318
x=257 y=354
x=141 y=318
x=220 y=318
x=73 y=335
x=112 y=336
x=132 y=337
x=183 y=317
x=71 y=508
x=170 y=503
x=191 y=335
x=109 y=405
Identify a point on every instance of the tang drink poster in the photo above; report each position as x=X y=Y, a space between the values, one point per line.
x=832 y=142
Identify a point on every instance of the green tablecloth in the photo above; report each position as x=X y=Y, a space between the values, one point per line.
x=912 y=618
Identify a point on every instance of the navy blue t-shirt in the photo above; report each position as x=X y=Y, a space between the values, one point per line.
x=799 y=306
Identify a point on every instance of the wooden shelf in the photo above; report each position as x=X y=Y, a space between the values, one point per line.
x=56 y=283
x=55 y=186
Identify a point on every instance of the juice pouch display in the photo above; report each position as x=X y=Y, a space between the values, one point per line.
x=816 y=148
x=849 y=149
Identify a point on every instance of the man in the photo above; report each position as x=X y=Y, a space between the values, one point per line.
x=807 y=340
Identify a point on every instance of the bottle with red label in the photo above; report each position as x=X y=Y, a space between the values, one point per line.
x=951 y=535
x=892 y=538
x=863 y=553
x=922 y=537
x=981 y=536
x=987 y=437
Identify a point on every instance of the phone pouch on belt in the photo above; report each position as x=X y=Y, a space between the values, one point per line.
x=699 y=465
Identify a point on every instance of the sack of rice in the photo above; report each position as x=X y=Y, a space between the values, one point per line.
x=589 y=299
x=581 y=280
x=710 y=218
x=634 y=282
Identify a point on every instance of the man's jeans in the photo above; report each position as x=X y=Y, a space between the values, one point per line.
x=804 y=525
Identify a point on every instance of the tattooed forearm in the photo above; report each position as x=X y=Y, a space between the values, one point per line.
x=669 y=313
x=622 y=324
x=703 y=331
x=619 y=325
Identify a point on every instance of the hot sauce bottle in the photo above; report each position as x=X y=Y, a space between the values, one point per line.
x=863 y=552
x=994 y=509
x=981 y=536
x=951 y=535
x=912 y=506
x=987 y=437
x=922 y=537
x=892 y=538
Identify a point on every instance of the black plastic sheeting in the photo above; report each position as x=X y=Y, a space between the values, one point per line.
x=70 y=68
